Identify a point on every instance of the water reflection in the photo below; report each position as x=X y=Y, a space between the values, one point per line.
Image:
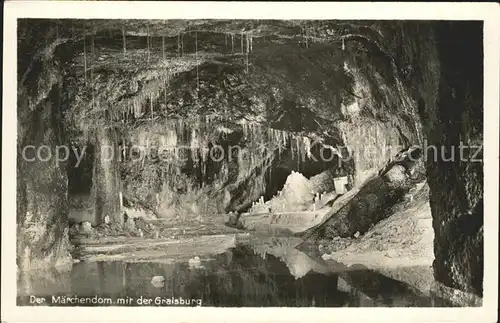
x=272 y=273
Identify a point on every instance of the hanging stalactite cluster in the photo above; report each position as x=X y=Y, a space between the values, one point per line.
x=143 y=104
x=151 y=112
x=182 y=140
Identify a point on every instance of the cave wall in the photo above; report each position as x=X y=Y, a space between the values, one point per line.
x=42 y=205
x=456 y=187
x=42 y=183
x=371 y=144
x=382 y=117
x=45 y=121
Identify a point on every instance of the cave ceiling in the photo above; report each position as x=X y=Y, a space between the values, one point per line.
x=287 y=74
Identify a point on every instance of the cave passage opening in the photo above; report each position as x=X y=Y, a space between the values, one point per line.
x=318 y=160
x=80 y=180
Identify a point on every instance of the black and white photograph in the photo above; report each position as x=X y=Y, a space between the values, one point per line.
x=263 y=162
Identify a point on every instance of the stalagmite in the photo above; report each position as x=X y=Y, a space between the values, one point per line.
x=124 y=42
x=251 y=42
x=121 y=200
x=232 y=43
x=343 y=44
x=307 y=146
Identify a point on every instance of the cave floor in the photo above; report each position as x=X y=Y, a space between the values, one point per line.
x=230 y=269
x=161 y=240
x=390 y=265
x=399 y=247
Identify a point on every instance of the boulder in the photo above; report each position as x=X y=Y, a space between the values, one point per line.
x=365 y=208
x=86 y=227
x=158 y=281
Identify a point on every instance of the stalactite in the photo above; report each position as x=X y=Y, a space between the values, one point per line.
x=225 y=39
x=180 y=127
x=300 y=154
x=92 y=69
x=343 y=44
x=93 y=94
x=241 y=43
x=124 y=42
x=247 y=43
x=165 y=93
x=196 y=56
x=251 y=42
x=306 y=36
x=84 y=60
x=182 y=45
x=178 y=45
x=194 y=143
x=247 y=50
x=92 y=57
x=147 y=41
x=232 y=43
x=151 y=105
x=163 y=46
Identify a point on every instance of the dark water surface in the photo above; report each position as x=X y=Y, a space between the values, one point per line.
x=238 y=277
